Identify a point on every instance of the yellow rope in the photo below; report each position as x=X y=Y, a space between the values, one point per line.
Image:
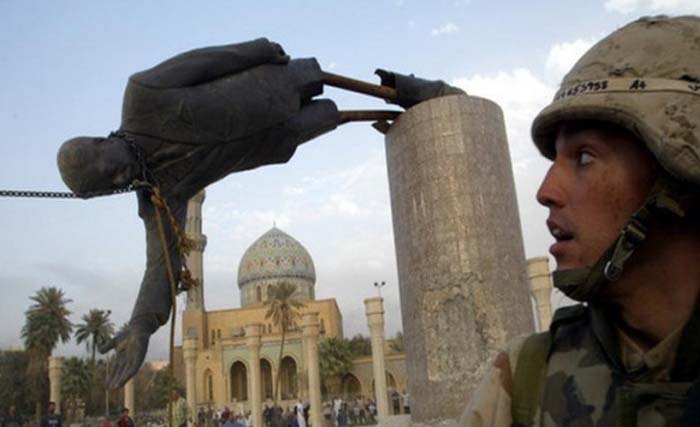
x=158 y=204
x=184 y=245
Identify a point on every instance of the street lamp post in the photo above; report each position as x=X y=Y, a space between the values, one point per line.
x=379 y=286
x=107 y=377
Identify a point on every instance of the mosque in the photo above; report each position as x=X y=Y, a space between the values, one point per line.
x=215 y=353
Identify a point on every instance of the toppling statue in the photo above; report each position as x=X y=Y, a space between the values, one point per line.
x=191 y=121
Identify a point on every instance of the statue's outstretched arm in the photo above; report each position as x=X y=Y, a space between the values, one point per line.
x=153 y=304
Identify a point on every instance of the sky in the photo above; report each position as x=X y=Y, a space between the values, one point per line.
x=63 y=68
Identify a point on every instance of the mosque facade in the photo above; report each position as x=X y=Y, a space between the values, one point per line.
x=216 y=353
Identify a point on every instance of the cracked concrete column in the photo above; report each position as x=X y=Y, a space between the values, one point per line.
x=129 y=397
x=55 y=379
x=189 y=352
x=541 y=288
x=374 y=309
x=459 y=249
x=310 y=331
x=252 y=340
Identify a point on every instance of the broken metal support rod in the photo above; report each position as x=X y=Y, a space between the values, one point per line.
x=342 y=82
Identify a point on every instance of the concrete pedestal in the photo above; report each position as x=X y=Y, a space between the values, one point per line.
x=541 y=288
x=252 y=339
x=55 y=381
x=189 y=352
x=310 y=331
x=459 y=249
x=374 y=309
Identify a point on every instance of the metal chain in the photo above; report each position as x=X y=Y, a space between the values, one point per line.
x=90 y=194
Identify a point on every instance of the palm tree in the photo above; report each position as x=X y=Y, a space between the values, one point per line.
x=335 y=361
x=95 y=330
x=47 y=321
x=46 y=324
x=283 y=308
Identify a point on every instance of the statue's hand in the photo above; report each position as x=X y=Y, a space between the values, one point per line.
x=130 y=345
x=413 y=90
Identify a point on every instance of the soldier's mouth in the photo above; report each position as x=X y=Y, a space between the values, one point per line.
x=559 y=233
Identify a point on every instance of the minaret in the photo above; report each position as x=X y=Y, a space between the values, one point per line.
x=194 y=319
x=193 y=228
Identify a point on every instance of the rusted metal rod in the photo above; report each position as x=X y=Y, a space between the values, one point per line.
x=367 y=115
x=335 y=80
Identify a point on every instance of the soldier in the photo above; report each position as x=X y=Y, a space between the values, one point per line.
x=622 y=192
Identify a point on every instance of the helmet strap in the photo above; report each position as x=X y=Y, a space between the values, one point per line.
x=584 y=284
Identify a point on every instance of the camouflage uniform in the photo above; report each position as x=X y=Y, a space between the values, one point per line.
x=645 y=78
x=596 y=376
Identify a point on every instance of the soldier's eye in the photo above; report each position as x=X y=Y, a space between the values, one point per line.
x=584 y=158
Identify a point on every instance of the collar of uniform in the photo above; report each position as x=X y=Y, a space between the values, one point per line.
x=657 y=362
x=687 y=363
x=604 y=333
x=685 y=367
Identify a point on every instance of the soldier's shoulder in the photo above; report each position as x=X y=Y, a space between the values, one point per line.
x=569 y=314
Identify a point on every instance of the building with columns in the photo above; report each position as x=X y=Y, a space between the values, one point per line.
x=216 y=362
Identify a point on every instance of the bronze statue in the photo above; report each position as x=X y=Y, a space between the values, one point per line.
x=191 y=121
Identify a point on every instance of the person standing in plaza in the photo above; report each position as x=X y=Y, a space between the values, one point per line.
x=52 y=419
x=181 y=411
x=125 y=420
x=12 y=419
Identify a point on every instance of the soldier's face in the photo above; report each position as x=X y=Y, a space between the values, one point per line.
x=598 y=179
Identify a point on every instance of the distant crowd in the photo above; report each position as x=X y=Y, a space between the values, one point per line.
x=12 y=418
x=337 y=412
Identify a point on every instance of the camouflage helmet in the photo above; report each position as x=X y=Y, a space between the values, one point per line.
x=644 y=77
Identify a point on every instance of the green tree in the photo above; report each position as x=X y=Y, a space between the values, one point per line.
x=163 y=382
x=77 y=378
x=15 y=389
x=397 y=343
x=46 y=323
x=334 y=360
x=283 y=308
x=95 y=330
x=360 y=345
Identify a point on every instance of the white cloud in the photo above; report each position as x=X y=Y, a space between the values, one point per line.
x=445 y=29
x=653 y=6
x=521 y=95
x=562 y=56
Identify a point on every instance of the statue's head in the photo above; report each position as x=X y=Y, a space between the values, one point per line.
x=90 y=164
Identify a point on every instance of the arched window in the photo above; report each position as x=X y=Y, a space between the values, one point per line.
x=390 y=382
x=208 y=386
x=351 y=387
x=288 y=379
x=258 y=294
x=239 y=382
x=266 y=375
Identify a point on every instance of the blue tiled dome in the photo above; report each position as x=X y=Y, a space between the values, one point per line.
x=276 y=255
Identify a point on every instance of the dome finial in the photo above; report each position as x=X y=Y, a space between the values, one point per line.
x=274 y=224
